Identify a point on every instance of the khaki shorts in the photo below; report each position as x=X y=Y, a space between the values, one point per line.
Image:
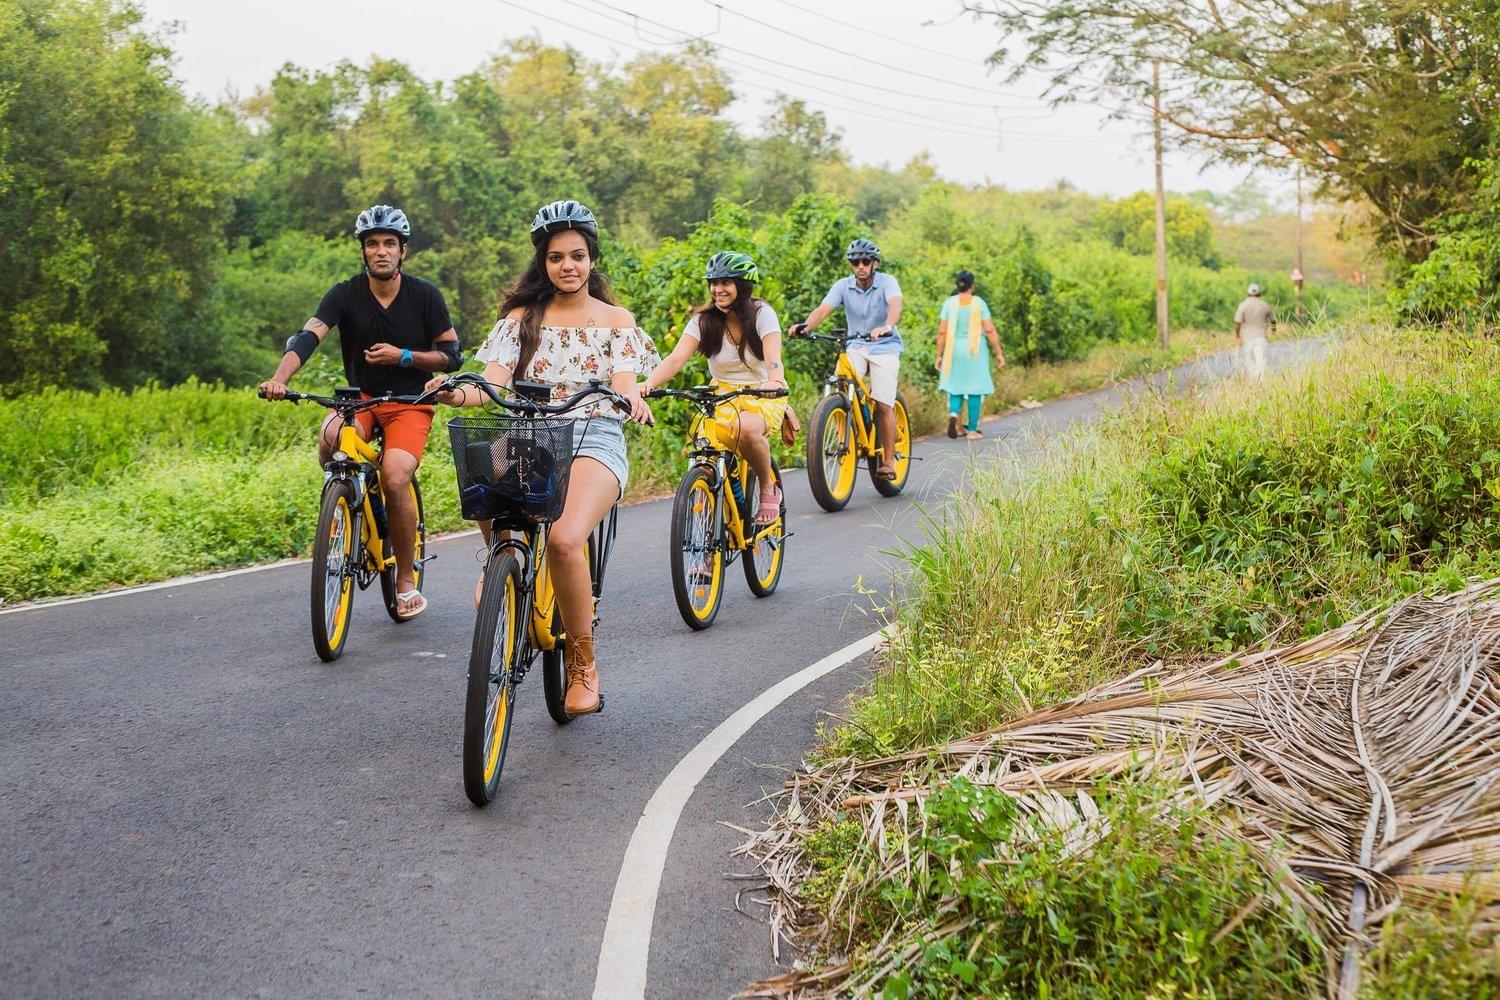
x=879 y=372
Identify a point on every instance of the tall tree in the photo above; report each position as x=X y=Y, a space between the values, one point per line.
x=115 y=192
x=1384 y=100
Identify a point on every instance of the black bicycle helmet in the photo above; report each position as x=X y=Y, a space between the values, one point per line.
x=727 y=264
x=560 y=215
x=382 y=219
x=862 y=248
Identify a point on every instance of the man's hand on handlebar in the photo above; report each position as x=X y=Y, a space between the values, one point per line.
x=272 y=389
x=796 y=329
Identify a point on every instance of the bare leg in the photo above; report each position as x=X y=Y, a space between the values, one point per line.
x=592 y=490
x=885 y=418
x=396 y=469
x=752 y=446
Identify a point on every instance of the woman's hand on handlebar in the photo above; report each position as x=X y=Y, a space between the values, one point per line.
x=639 y=411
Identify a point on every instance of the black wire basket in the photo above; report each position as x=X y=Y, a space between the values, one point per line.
x=511 y=466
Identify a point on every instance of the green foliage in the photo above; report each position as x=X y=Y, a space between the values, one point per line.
x=1137 y=914
x=113 y=193
x=1180 y=527
x=1438 y=949
x=1460 y=281
x=1130 y=224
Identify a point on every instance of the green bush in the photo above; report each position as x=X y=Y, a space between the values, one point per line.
x=1182 y=527
x=1135 y=915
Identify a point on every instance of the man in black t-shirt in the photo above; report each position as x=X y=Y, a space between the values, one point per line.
x=393 y=331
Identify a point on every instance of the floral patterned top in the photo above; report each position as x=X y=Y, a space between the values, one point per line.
x=570 y=356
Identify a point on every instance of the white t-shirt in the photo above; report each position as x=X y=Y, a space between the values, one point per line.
x=726 y=366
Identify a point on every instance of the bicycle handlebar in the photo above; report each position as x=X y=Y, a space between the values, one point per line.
x=522 y=405
x=705 y=396
x=834 y=336
x=531 y=407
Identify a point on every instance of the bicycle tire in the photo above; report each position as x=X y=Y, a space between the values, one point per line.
x=499 y=634
x=388 y=575
x=763 y=575
x=335 y=548
x=830 y=435
x=695 y=524
x=893 y=487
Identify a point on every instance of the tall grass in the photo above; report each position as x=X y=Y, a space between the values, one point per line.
x=115 y=488
x=1181 y=527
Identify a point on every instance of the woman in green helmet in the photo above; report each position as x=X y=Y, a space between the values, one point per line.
x=741 y=337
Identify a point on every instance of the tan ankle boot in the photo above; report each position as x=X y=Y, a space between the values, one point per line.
x=583 y=677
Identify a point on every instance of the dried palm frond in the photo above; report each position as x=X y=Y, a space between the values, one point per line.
x=1361 y=767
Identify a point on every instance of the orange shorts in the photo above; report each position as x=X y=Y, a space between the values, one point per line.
x=405 y=426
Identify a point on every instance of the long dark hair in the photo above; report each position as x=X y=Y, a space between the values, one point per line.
x=533 y=290
x=713 y=325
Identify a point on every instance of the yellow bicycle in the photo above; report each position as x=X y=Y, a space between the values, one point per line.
x=351 y=545
x=513 y=472
x=713 y=516
x=842 y=430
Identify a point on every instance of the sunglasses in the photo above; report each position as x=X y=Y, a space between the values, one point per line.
x=862 y=261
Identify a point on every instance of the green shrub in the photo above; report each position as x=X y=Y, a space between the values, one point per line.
x=1138 y=914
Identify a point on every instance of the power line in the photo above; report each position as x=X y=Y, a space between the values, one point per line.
x=905 y=43
x=986 y=105
x=945 y=81
x=921 y=118
x=925 y=122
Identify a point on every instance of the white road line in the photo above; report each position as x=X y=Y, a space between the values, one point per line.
x=627 y=933
x=183 y=581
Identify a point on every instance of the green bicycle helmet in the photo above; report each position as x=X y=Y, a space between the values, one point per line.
x=728 y=265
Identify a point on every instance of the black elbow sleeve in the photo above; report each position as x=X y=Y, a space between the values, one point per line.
x=453 y=351
x=302 y=343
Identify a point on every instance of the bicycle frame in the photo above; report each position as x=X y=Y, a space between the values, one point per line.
x=358 y=452
x=846 y=382
x=713 y=448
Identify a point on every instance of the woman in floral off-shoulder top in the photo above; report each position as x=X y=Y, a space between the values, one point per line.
x=560 y=324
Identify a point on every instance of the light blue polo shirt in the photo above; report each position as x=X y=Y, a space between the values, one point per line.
x=865 y=309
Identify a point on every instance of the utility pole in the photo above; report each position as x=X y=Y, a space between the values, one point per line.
x=1297 y=276
x=1162 y=324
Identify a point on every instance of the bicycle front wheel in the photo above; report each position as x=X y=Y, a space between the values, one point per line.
x=831 y=458
x=388 y=575
x=697 y=557
x=498 y=636
x=767 y=545
x=333 y=567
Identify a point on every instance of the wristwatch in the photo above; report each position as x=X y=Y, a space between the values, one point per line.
x=405 y=361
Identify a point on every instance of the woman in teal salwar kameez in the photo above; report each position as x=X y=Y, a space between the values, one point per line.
x=961 y=355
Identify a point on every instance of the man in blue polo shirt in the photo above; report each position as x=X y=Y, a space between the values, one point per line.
x=871 y=301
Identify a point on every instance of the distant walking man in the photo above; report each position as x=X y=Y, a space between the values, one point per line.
x=1254 y=321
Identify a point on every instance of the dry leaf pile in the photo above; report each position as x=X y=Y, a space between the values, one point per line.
x=1360 y=766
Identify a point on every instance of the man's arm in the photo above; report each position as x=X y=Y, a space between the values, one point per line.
x=892 y=317
x=298 y=348
x=813 y=321
x=427 y=361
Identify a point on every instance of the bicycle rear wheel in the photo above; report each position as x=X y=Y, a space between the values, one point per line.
x=388 y=575
x=696 y=555
x=764 y=557
x=891 y=487
x=499 y=634
x=333 y=565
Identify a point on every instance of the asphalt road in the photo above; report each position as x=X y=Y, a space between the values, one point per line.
x=192 y=804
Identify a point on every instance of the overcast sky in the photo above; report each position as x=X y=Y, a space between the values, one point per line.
x=947 y=102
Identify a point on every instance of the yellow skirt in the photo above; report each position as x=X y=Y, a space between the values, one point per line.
x=772 y=411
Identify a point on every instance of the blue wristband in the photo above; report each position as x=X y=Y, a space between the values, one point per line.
x=405 y=358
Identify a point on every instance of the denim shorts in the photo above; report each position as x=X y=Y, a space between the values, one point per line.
x=603 y=440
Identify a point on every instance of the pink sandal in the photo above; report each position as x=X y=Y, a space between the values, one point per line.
x=770 y=505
